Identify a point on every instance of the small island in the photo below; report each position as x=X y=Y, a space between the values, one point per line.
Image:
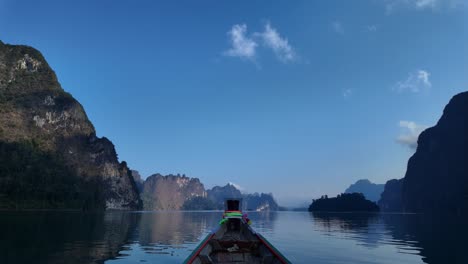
x=345 y=202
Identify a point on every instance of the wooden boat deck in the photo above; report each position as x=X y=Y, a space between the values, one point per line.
x=235 y=242
x=227 y=247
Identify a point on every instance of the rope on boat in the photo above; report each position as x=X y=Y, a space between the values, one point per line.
x=234 y=214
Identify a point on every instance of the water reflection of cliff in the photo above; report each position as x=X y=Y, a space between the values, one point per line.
x=438 y=239
x=441 y=239
x=263 y=222
x=174 y=228
x=62 y=237
x=366 y=228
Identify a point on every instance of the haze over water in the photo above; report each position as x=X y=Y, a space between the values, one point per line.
x=169 y=237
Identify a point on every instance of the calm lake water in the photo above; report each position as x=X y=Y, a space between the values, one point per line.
x=169 y=237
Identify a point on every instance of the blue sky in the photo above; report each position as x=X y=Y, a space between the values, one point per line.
x=296 y=98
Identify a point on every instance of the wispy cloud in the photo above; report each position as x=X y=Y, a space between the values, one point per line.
x=280 y=46
x=421 y=4
x=237 y=186
x=337 y=27
x=415 y=82
x=347 y=93
x=242 y=46
x=371 y=28
x=392 y=5
x=410 y=133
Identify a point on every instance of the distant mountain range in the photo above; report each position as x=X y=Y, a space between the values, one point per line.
x=51 y=157
x=370 y=190
x=254 y=202
x=217 y=194
x=358 y=197
x=176 y=192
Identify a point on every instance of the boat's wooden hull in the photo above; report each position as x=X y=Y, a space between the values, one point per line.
x=235 y=242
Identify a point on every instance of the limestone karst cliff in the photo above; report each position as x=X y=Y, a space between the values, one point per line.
x=436 y=179
x=178 y=192
x=170 y=192
x=253 y=202
x=437 y=174
x=50 y=154
x=217 y=194
x=390 y=200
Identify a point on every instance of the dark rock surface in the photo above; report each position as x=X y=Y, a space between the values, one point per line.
x=391 y=197
x=217 y=194
x=260 y=202
x=252 y=202
x=38 y=116
x=138 y=180
x=371 y=191
x=345 y=202
x=436 y=179
x=437 y=174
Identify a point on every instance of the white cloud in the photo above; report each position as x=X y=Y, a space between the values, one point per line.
x=371 y=28
x=411 y=133
x=237 y=186
x=244 y=45
x=280 y=46
x=423 y=76
x=415 y=82
x=421 y=4
x=241 y=45
x=337 y=27
x=347 y=93
x=391 y=5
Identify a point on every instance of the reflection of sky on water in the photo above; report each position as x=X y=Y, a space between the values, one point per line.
x=169 y=237
x=263 y=222
x=366 y=228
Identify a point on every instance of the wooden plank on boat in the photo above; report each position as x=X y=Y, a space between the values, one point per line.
x=234 y=241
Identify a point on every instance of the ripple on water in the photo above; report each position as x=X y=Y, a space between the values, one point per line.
x=169 y=237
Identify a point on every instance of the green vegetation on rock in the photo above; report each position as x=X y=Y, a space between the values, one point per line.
x=345 y=202
x=199 y=203
x=50 y=154
x=34 y=179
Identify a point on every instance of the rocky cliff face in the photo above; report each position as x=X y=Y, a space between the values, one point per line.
x=38 y=116
x=218 y=194
x=138 y=180
x=176 y=192
x=370 y=190
x=260 y=202
x=390 y=200
x=437 y=174
x=170 y=192
x=253 y=202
